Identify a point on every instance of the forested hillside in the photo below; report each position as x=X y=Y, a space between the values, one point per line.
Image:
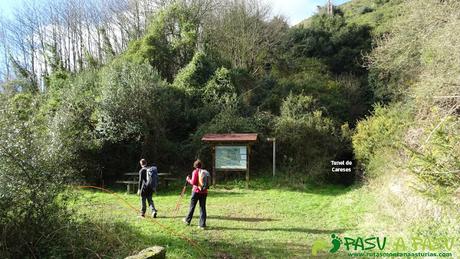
x=84 y=97
x=199 y=67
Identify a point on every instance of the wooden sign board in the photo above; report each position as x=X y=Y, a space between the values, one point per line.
x=231 y=152
x=231 y=157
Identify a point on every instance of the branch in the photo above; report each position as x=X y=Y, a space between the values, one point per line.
x=17 y=161
x=439 y=124
x=447 y=96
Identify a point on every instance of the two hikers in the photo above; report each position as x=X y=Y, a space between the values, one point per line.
x=148 y=179
x=199 y=181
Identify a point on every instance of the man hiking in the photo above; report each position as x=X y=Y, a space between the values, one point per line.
x=148 y=179
x=200 y=182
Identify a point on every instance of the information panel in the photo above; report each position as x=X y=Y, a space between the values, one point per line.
x=231 y=157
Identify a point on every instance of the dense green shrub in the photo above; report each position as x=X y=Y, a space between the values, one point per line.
x=437 y=159
x=195 y=74
x=331 y=39
x=30 y=181
x=69 y=114
x=337 y=94
x=219 y=88
x=131 y=108
x=170 y=40
x=307 y=139
x=384 y=129
x=365 y=9
x=228 y=120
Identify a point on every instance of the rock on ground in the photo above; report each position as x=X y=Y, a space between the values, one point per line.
x=154 y=252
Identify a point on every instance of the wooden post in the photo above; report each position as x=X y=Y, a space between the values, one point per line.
x=213 y=150
x=247 y=165
x=274 y=156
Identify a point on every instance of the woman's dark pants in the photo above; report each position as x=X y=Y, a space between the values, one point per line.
x=198 y=197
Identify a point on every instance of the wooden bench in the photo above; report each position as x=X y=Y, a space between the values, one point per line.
x=131 y=184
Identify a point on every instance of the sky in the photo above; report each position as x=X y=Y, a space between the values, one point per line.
x=297 y=10
x=6 y=6
x=294 y=10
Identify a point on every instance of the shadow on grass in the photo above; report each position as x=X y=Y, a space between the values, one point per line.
x=300 y=230
x=268 y=249
x=103 y=234
x=242 y=219
x=85 y=237
x=231 y=218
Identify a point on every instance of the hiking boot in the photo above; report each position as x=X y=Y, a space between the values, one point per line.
x=185 y=221
x=202 y=228
x=154 y=214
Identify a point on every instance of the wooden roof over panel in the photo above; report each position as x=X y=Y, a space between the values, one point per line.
x=230 y=137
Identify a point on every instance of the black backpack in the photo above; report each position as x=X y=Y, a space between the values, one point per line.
x=152 y=178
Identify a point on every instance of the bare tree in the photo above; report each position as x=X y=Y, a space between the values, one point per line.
x=5 y=67
x=247 y=31
x=48 y=35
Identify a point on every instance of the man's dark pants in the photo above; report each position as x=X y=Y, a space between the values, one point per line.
x=149 y=199
x=201 y=198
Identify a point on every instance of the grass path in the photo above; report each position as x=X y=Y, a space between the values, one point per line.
x=255 y=223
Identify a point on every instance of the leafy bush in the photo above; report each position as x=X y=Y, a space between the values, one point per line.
x=382 y=130
x=332 y=40
x=337 y=94
x=307 y=140
x=219 y=90
x=30 y=182
x=69 y=114
x=170 y=40
x=132 y=108
x=365 y=9
x=437 y=160
x=195 y=75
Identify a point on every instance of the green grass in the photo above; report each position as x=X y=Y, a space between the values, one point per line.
x=265 y=221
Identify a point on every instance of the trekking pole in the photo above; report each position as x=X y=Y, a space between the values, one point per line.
x=180 y=198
